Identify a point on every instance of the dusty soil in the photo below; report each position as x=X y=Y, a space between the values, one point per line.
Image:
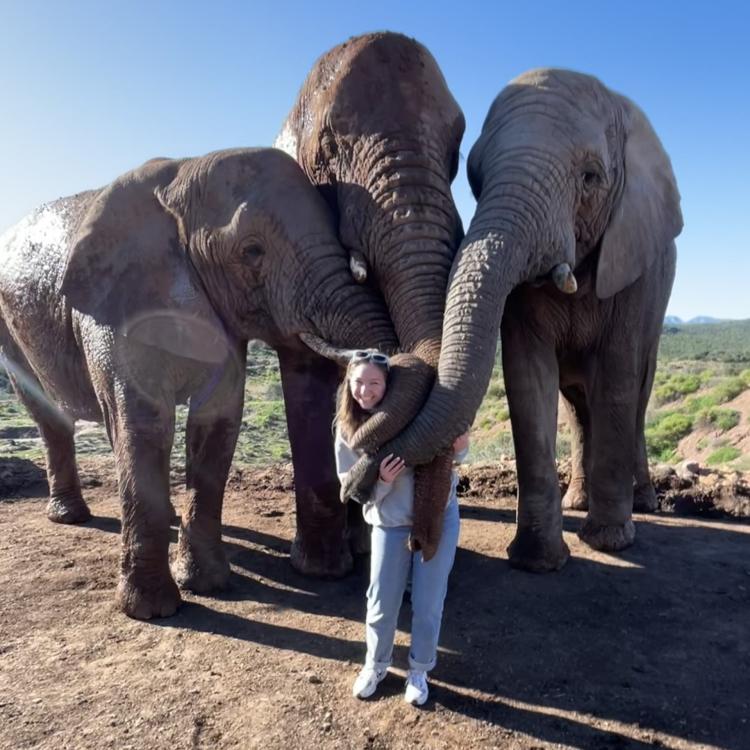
x=646 y=648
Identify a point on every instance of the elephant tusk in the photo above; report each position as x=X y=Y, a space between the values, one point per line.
x=564 y=279
x=342 y=356
x=358 y=266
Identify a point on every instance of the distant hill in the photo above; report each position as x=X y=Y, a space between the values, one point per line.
x=722 y=341
x=674 y=320
x=701 y=319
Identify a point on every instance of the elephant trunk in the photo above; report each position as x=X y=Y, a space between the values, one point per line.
x=357 y=318
x=492 y=260
x=417 y=234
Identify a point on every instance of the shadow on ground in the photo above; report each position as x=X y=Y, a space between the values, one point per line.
x=655 y=637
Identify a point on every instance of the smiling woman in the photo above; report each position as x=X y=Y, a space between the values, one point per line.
x=390 y=510
x=368 y=386
x=363 y=389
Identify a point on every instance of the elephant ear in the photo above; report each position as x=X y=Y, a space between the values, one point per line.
x=647 y=216
x=128 y=269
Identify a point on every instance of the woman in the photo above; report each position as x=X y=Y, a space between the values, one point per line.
x=390 y=511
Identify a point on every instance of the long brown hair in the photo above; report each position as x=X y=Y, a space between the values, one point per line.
x=350 y=416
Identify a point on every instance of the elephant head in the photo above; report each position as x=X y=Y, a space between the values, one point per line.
x=567 y=175
x=180 y=253
x=376 y=128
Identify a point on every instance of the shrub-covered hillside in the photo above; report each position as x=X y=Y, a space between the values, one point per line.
x=699 y=408
x=725 y=341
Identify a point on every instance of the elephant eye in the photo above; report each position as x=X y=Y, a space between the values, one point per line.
x=328 y=146
x=591 y=179
x=252 y=254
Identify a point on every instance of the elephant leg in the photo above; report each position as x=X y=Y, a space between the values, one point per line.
x=141 y=431
x=574 y=399
x=531 y=379
x=213 y=424
x=609 y=524
x=644 y=495
x=309 y=383
x=66 y=504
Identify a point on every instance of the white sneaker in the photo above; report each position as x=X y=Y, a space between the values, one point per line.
x=367 y=682
x=416 y=687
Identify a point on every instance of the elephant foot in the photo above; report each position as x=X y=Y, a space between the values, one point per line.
x=576 y=498
x=644 y=499
x=528 y=552
x=68 y=509
x=605 y=537
x=320 y=564
x=201 y=569
x=160 y=599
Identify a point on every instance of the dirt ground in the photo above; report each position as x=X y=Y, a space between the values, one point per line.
x=647 y=648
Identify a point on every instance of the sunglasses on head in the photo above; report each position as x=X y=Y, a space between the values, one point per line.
x=376 y=357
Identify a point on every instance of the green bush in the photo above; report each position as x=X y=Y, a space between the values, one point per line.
x=663 y=434
x=660 y=378
x=723 y=455
x=562 y=447
x=695 y=404
x=266 y=414
x=496 y=390
x=729 y=389
x=272 y=391
x=745 y=377
x=722 y=419
x=676 y=387
x=491 y=448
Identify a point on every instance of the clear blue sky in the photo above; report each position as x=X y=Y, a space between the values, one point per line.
x=92 y=89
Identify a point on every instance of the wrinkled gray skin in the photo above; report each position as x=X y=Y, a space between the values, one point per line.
x=376 y=128
x=565 y=171
x=170 y=270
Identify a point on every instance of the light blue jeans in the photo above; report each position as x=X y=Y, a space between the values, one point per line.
x=390 y=564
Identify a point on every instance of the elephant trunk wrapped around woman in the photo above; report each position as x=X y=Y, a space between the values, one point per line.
x=377 y=130
x=568 y=175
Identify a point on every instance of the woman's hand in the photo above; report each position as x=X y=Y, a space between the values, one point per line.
x=461 y=443
x=390 y=467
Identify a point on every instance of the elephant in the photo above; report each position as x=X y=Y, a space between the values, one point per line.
x=117 y=304
x=570 y=257
x=377 y=130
